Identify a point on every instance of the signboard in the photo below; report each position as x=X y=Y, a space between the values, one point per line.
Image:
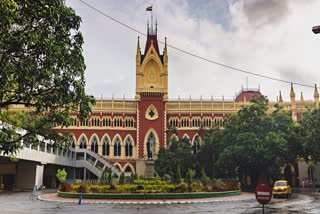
x=263 y=193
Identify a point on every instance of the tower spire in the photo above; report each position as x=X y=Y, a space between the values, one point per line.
x=138 y=45
x=292 y=94
x=301 y=97
x=280 y=97
x=316 y=94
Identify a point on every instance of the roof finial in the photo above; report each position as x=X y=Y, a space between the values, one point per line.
x=316 y=94
x=301 y=97
x=280 y=97
x=138 y=46
x=165 y=42
x=292 y=94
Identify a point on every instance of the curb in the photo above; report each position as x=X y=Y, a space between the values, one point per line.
x=143 y=202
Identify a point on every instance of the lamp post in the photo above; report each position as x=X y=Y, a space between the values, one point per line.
x=316 y=29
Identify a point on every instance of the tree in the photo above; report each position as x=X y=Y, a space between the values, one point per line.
x=41 y=70
x=209 y=153
x=61 y=175
x=254 y=144
x=310 y=133
x=178 y=154
x=178 y=180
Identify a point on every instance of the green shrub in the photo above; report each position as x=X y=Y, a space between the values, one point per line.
x=190 y=175
x=61 y=175
x=105 y=189
x=141 y=177
x=110 y=178
x=133 y=177
x=204 y=177
x=182 y=187
x=197 y=187
x=238 y=186
x=83 y=188
x=113 y=187
x=122 y=178
x=167 y=178
x=140 y=187
x=95 y=189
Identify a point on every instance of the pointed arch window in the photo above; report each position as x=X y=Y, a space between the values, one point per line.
x=106 y=147
x=94 y=144
x=72 y=144
x=117 y=147
x=83 y=143
x=196 y=144
x=151 y=145
x=128 y=147
x=128 y=169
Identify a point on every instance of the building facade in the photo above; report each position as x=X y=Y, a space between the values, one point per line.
x=128 y=133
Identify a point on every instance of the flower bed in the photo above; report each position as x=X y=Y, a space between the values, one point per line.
x=142 y=186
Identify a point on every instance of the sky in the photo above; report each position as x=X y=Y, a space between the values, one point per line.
x=268 y=37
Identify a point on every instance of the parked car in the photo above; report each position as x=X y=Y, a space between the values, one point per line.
x=281 y=188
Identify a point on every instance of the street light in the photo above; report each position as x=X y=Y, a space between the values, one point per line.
x=316 y=29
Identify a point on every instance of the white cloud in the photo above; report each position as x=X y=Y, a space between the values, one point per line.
x=272 y=39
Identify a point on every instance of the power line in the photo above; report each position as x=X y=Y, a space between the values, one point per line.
x=195 y=55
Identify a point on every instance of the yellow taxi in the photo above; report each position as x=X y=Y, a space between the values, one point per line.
x=281 y=188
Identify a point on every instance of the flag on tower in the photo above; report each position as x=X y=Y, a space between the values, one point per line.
x=149 y=8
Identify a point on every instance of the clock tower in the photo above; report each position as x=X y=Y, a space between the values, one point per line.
x=151 y=67
x=151 y=97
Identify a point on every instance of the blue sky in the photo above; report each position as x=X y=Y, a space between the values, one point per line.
x=269 y=37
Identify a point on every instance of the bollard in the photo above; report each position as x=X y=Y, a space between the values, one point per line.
x=80 y=199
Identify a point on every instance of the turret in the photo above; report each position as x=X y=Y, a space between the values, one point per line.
x=292 y=95
x=280 y=97
x=293 y=103
x=138 y=69
x=316 y=95
x=301 y=98
x=138 y=55
x=165 y=52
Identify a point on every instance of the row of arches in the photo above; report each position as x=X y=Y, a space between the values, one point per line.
x=196 y=141
x=196 y=121
x=126 y=148
x=127 y=168
x=96 y=121
x=116 y=148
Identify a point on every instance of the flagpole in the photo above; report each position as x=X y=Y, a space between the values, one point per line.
x=152 y=19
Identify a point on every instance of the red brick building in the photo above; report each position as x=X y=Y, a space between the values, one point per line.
x=129 y=132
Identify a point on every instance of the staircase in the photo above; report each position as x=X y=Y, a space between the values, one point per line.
x=44 y=152
x=93 y=162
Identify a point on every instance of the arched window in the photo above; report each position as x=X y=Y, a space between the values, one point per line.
x=128 y=147
x=185 y=122
x=117 y=147
x=72 y=144
x=95 y=121
x=128 y=169
x=206 y=122
x=196 y=144
x=94 y=144
x=84 y=122
x=151 y=145
x=106 y=147
x=83 y=143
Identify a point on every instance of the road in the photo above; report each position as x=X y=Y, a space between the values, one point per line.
x=300 y=202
